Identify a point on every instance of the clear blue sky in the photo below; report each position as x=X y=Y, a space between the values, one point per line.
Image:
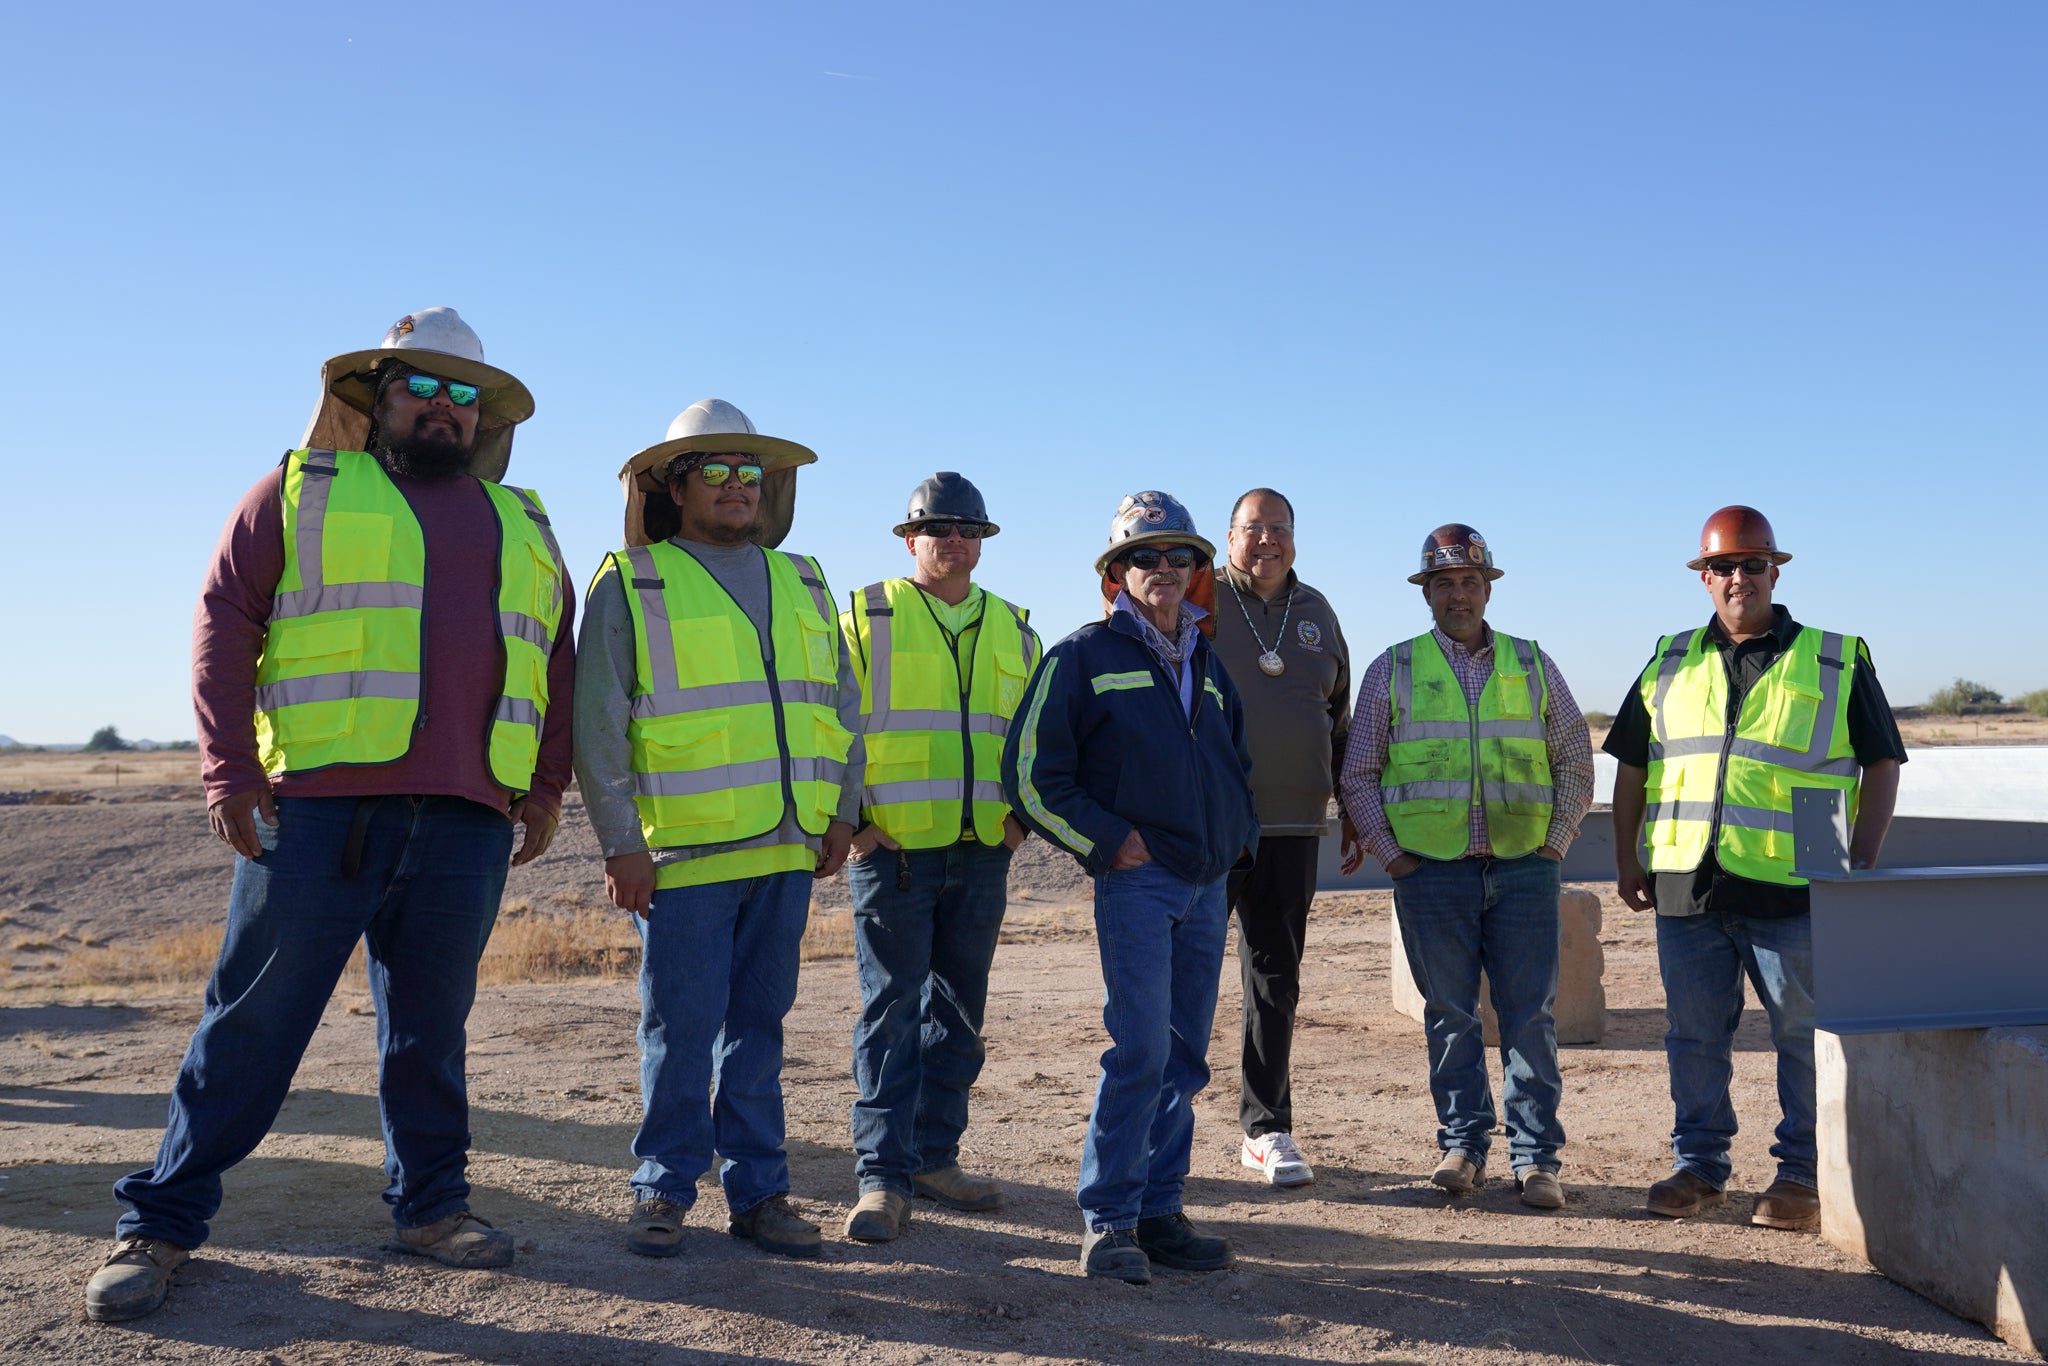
x=1575 y=273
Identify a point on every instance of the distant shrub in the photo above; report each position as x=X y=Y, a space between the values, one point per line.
x=106 y=740
x=2036 y=701
x=1962 y=696
x=1599 y=720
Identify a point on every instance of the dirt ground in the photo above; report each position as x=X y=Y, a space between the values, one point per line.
x=1368 y=1264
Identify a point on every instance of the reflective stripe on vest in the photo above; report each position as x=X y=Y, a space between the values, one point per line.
x=338 y=681
x=934 y=756
x=724 y=738
x=1730 y=785
x=1444 y=754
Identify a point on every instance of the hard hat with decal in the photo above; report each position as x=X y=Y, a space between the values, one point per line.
x=1735 y=531
x=946 y=497
x=711 y=426
x=1455 y=546
x=1150 y=518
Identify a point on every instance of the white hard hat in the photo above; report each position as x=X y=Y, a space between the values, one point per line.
x=712 y=425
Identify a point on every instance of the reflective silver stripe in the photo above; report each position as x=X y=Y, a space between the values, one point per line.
x=917 y=719
x=1540 y=793
x=683 y=854
x=338 y=687
x=341 y=597
x=518 y=625
x=519 y=711
x=547 y=533
x=1755 y=818
x=928 y=790
x=813 y=580
x=1804 y=760
x=1832 y=667
x=1429 y=730
x=804 y=690
x=1679 y=749
x=1404 y=679
x=1667 y=670
x=1023 y=629
x=1431 y=791
x=1512 y=730
x=1702 y=812
x=724 y=777
x=316 y=481
x=710 y=696
x=1525 y=650
x=881 y=618
x=661 y=649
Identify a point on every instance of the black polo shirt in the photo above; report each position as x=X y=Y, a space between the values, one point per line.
x=1873 y=734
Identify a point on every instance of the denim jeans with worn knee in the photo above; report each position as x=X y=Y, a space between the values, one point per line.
x=925 y=923
x=1458 y=918
x=1703 y=959
x=717 y=975
x=422 y=901
x=1161 y=940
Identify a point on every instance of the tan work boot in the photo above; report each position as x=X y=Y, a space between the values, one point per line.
x=1540 y=1189
x=1681 y=1195
x=655 y=1228
x=1787 y=1205
x=957 y=1189
x=461 y=1240
x=1459 y=1174
x=879 y=1216
x=133 y=1280
x=773 y=1226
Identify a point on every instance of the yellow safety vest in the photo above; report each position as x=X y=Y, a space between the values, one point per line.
x=1443 y=755
x=1793 y=732
x=338 y=681
x=723 y=739
x=929 y=749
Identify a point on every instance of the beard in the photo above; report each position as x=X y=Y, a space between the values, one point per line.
x=429 y=452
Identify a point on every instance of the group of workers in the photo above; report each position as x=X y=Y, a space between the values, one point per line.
x=386 y=686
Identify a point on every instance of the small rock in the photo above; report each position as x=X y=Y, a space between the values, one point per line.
x=529 y=1245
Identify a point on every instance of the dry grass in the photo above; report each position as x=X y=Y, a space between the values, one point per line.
x=829 y=935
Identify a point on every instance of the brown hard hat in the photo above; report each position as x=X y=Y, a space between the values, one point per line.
x=1737 y=530
x=1455 y=546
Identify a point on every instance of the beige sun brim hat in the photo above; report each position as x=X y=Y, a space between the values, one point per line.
x=442 y=344
x=712 y=425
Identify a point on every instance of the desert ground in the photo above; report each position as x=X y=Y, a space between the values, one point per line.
x=108 y=893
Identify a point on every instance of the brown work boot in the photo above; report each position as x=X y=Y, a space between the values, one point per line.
x=133 y=1280
x=1682 y=1195
x=1788 y=1205
x=655 y=1227
x=879 y=1216
x=957 y=1189
x=461 y=1240
x=1459 y=1174
x=773 y=1226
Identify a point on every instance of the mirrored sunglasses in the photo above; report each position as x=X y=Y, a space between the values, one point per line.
x=426 y=386
x=717 y=473
x=1754 y=565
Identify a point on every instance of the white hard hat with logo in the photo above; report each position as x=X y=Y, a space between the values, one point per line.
x=711 y=426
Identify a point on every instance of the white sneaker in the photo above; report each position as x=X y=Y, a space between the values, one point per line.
x=1276 y=1158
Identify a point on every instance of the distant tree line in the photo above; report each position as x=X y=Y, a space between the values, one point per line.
x=1965 y=697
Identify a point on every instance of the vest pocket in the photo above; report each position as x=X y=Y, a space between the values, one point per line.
x=303 y=650
x=821 y=649
x=1011 y=676
x=547 y=584
x=1789 y=712
x=694 y=748
x=355 y=547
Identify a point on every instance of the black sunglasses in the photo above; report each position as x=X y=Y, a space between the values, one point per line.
x=1179 y=557
x=1752 y=566
x=939 y=531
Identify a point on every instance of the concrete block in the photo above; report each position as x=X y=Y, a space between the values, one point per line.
x=1581 y=1005
x=1934 y=1167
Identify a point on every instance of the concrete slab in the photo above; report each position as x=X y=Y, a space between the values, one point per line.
x=1934 y=1167
x=1581 y=1006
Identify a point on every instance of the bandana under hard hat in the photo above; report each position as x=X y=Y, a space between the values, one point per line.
x=711 y=426
x=440 y=343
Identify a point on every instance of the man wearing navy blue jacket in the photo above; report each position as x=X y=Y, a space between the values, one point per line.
x=1129 y=753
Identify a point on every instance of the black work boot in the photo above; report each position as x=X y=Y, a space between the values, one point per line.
x=1171 y=1240
x=1115 y=1255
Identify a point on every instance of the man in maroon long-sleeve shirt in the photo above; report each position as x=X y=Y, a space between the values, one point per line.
x=382 y=666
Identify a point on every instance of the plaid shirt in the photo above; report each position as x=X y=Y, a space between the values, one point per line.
x=1571 y=751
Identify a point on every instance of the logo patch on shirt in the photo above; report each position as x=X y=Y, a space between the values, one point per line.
x=1310 y=635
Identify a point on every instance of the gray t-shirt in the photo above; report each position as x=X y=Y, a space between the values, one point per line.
x=605 y=676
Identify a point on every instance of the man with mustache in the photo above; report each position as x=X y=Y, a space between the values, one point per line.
x=1468 y=772
x=719 y=756
x=942 y=663
x=382 y=669
x=1130 y=755
x=1724 y=723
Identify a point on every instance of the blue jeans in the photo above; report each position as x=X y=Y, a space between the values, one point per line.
x=423 y=901
x=1703 y=959
x=1462 y=916
x=1161 y=941
x=717 y=975
x=924 y=952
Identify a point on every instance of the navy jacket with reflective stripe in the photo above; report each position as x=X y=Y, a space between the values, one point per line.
x=1102 y=745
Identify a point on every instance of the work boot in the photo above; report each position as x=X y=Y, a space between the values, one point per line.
x=879 y=1216
x=461 y=1240
x=773 y=1226
x=1682 y=1195
x=133 y=1280
x=655 y=1228
x=1540 y=1189
x=1115 y=1255
x=1459 y=1174
x=957 y=1189
x=1171 y=1240
x=1788 y=1205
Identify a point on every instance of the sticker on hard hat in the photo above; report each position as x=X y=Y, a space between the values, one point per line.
x=402 y=326
x=1478 y=541
x=1155 y=514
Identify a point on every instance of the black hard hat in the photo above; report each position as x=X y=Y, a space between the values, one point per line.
x=946 y=497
